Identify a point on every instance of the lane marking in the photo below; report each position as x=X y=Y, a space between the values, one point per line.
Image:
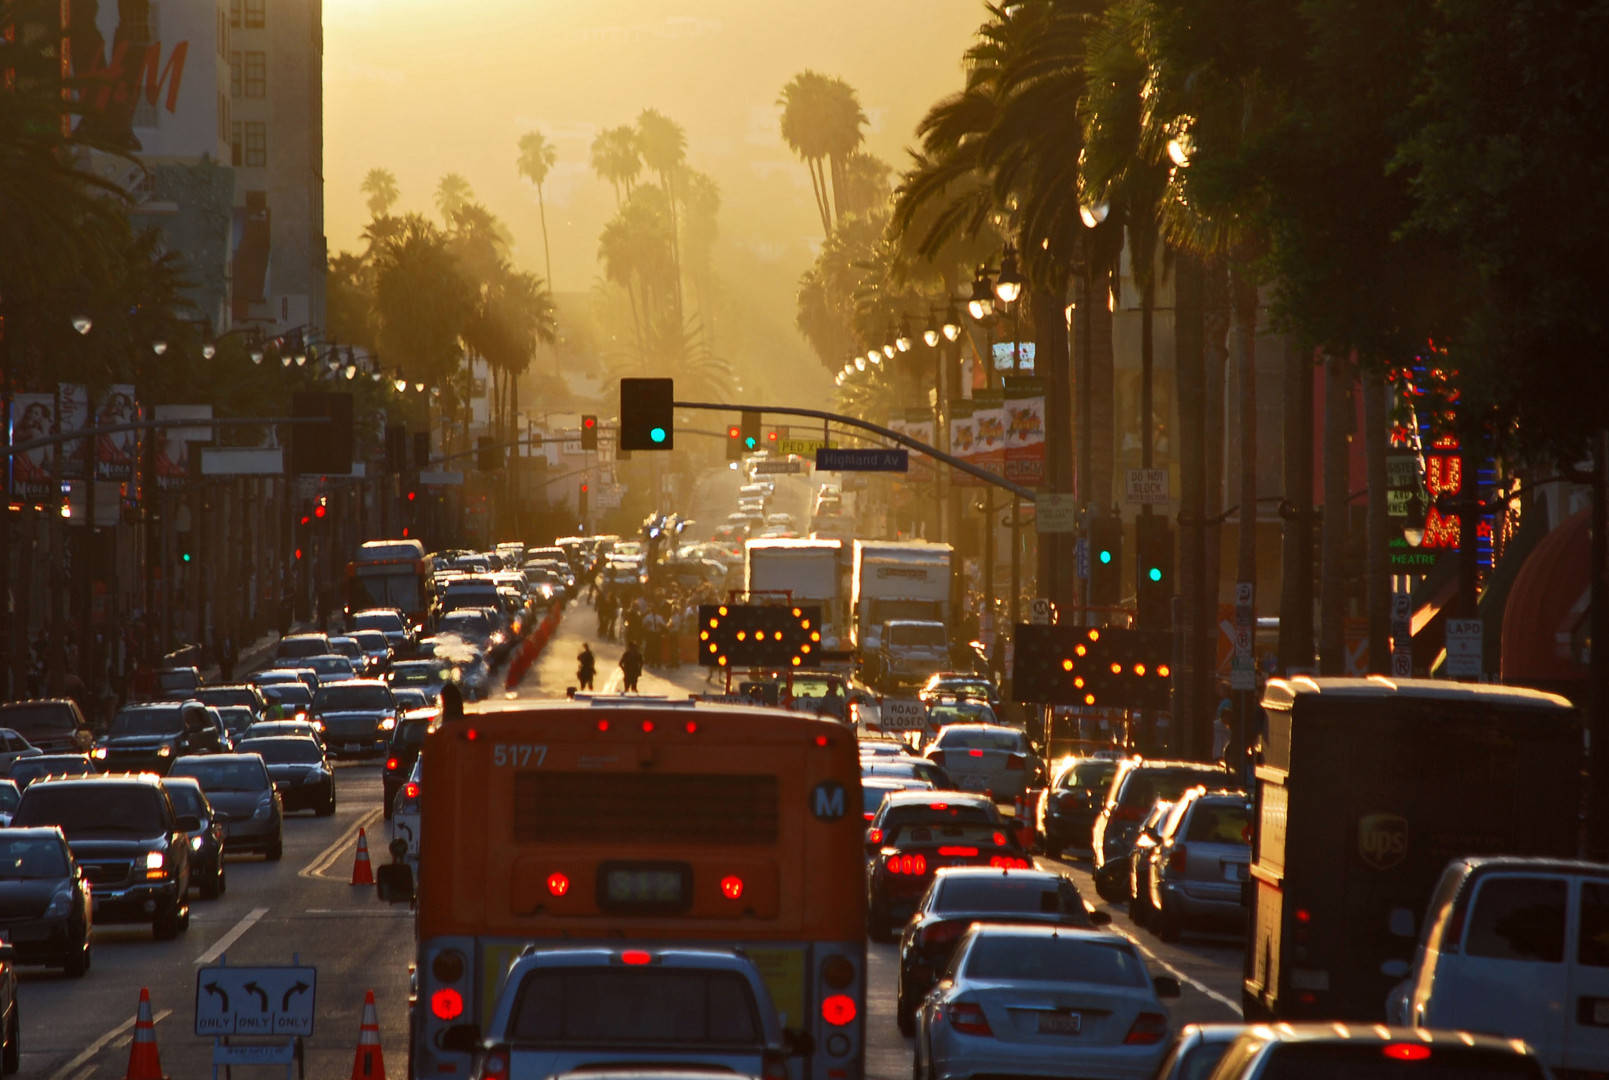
x=343 y=844
x=99 y=1044
x=232 y=936
x=348 y=913
x=91 y=1069
x=1196 y=984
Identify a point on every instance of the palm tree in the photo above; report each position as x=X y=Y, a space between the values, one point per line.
x=616 y=158
x=452 y=192
x=664 y=150
x=537 y=158
x=821 y=122
x=380 y=185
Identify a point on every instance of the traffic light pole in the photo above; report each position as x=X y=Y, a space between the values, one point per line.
x=1027 y=494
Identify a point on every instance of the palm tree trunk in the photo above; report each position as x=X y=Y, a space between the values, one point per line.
x=1243 y=298
x=1376 y=436
x=1057 y=551
x=669 y=180
x=1216 y=322
x=1102 y=435
x=1332 y=582
x=1296 y=571
x=818 y=185
x=1192 y=730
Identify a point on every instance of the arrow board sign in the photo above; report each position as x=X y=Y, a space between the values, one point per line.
x=255 y=1000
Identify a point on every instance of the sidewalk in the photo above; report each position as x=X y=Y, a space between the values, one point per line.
x=554 y=670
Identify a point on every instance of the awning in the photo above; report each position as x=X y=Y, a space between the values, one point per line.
x=1544 y=622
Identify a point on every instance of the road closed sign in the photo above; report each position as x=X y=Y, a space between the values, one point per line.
x=255 y=1000
x=1146 y=487
x=903 y=714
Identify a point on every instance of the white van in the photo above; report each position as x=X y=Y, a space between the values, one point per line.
x=1519 y=947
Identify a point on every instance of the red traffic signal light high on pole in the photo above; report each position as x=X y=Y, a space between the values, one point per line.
x=734 y=443
x=589 y=433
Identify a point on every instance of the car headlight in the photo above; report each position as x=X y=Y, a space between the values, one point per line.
x=388 y=723
x=164 y=751
x=197 y=841
x=155 y=865
x=99 y=753
x=265 y=808
x=60 y=902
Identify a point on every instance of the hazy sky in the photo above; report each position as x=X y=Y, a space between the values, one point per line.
x=424 y=87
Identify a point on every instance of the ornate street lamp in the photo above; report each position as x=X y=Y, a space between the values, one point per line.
x=981 y=306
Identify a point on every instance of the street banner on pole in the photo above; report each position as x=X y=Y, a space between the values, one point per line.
x=33 y=472
x=963 y=441
x=72 y=413
x=1025 y=432
x=919 y=426
x=117 y=452
x=989 y=409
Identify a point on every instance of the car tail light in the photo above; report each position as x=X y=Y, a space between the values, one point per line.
x=936 y=757
x=1405 y=1051
x=874 y=836
x=941 y=933
x=907 y=864
x=1179 y=859
x=870 y=814
x=958 y=850
x=1127 y=813
x=494 y=1066
x=974 y=753
x=391 y=764
x=447 y=1004
x=938 y=806
x=838 y=1009
x=774 y=1066
x=410 y=790
x=1148 y=1029
x=1015 y=762
x=999 y=839
x=968 y=1019
x=1008 y=862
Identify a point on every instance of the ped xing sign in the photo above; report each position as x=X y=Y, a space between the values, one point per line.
x=802 y=447
x=255 y=1000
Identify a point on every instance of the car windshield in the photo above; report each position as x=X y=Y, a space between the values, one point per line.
x=1089 y=774
x=1367 y=1061
x=346 y=646
x=379 y=620
x=284 y=751
x=146 y=722
x=291 y=695
x=330 y=665
x=412 y=732
x=1219 y=823
x=337 y=698
x=9 y=797
x=1053 y=959
x=641 y=1005
x=93 y=806
x=28 y=770
x=1144 y=787
x=31 y=857
x=1002 y=894
x=371 y=641
x=177 y=680
x=925 y=635
x=937 y=811
x=410 y=699
x=187 y=801
x=237 y=718
x=42 y=719
x=216 y=775
x=306 y=646
x=946 y=835
x=975 y=739
x=960 y=713
x=419 y=674
x=229 y=695
x=883 y=766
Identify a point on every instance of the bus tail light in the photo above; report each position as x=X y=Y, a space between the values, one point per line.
x=1148 y=1029
x=447 y=1004
x=968 y=1019
x=838 y=972
x=732 y=887
x=558 y=884
x=838 y=1009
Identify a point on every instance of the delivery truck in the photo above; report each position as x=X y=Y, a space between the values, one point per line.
x=897 y=580
x=810 y=571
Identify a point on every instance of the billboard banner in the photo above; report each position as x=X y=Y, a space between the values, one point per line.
x=989 y=409
x=72 y=414
x=919 y=426
x=117 y=454
x=963 y=440
x=33 y=416
x=1025 y=432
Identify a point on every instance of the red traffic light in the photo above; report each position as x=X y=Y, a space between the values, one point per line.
x=733 y=432
x=583 y=487
x=410 y=496
x=772 y=436
x=589 y=422
x=318 y=511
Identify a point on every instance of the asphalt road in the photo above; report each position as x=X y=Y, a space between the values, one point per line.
x=302 y=906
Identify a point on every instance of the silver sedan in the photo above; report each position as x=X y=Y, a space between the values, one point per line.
x=1044 y=1001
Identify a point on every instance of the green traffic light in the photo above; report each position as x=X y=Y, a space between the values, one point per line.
x=1155 y=573
x=751 y=442
x=1105 y=557
x=185 y=556
x=657 y=434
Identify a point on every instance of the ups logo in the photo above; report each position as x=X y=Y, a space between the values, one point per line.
x=1382 y=840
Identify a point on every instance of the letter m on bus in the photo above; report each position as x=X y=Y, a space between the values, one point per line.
x=828 y=801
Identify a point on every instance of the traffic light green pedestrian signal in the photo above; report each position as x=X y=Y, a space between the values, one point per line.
x=751 y=432
x=1153 y=582
x=647 y=414
x=1106 y=561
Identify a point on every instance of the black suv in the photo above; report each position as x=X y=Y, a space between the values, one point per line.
x=133 y=848
x=1135 y=789
x=54 y=725
x=147 y=737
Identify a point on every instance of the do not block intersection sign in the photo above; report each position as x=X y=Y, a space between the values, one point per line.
x=255 y=1000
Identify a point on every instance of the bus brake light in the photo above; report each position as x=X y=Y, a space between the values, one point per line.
x=558 y=884
x=447 y=1004
x=838 y=1009
x=647 y=726
x=636 y=957
x=732 y=887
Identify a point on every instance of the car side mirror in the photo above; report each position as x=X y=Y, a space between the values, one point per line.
x=798 y=1043
x=1166 y=986
x=460 y=1039
x=189 y=823
x=393 y=883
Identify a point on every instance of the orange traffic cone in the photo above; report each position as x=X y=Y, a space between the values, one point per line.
x=144 y=1063
x=362 y=873
x=370 y=1062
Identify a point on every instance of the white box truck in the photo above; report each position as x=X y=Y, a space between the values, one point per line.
x=811 y=570
x=897 y=580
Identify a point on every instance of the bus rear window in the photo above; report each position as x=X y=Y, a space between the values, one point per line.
x=609 y=1005
x=664 y=808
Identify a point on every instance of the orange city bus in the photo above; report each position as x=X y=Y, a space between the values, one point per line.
x=646 y=820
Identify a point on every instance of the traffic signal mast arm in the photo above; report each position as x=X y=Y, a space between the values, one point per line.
x=936 y=454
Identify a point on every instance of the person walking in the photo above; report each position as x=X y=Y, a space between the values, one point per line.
x=586 y=666
x=631 y=667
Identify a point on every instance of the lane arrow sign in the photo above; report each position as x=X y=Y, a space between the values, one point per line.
x=299 y=988
x=214 y=988
x=262 y=995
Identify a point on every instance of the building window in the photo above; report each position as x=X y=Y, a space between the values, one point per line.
x=234 y=144
x=234 y=74
x=254 y=14
x=234 y=12
x=256 y=144
x=255 y=80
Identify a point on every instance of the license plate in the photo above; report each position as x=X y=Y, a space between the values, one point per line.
x=1234 y=871
x=972 y=782
x=1060 y=1023
x=352 y=746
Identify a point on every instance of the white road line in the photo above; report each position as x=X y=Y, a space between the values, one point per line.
x=234 y=935
x=99 y=1044
x=343 y=844
x=1196 y=984
x=90 y=1069
x=348 y=913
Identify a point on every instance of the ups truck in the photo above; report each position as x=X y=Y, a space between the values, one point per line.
x=1366 y=789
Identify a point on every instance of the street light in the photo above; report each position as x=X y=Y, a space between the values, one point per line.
x=930 y=336
x=159 y=346
x=1092 y=214
x=351 y=372
x=285 y=360
x=952 y=324
x=860 y=363
x=301 y=359
x=903 y=342
x=256 y=356
x=981 y=306
x=400 y=383
x=890 y=349
x=1008 y=285
x=209 y=350
x=82 y=323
